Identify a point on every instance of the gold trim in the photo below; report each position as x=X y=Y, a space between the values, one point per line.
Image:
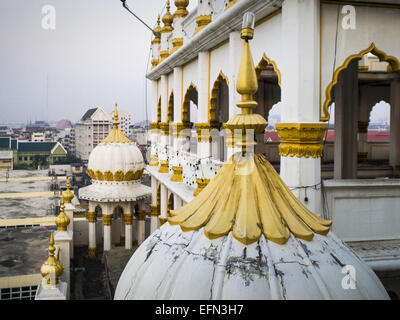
x=265 y=19
x=154 y=210
x=176 y=44
x=202 y=21
x=230 y=4
x=154 y=160
x=141 y=215
x=164 y=127
x=128 y=217
x=163 y=166
x=164 y=55
x=107 y=219
x=177 y=128
x=185 y=103
x=167 y=19
x=117 y=176
x=170 y=107
x=181 y=6
x=204 y=130
x=177 y=175
x=92 y=217
x=92 y=252
x=301 y=139
x=162 y=220
x=265 y=61
x=201 y=184
x=393 y=62
x=212 y=105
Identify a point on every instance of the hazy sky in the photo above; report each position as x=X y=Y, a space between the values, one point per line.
x=96 y=56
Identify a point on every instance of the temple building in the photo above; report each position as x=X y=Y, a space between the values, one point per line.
x=311 y=57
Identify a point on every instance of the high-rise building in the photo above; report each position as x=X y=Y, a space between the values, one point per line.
x=125 y=119
x=90 y=130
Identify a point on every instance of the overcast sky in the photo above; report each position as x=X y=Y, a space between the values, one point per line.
x=96 y=56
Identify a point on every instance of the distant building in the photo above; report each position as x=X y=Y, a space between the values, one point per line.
x=31 y=153
x=125 y=121
x=63 y=124
x=6 y=160
x=140 y=135
x=38 y=137
x=93 y=127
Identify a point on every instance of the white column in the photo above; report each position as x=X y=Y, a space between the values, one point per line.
x=300 y=96
x=128 y=230
x=92 y=221
x=177 y=202
x=107 y=222
x=141 y=215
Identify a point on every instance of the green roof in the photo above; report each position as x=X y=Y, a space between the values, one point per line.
x=4 y=142
x=14 y=144
x=36 y=146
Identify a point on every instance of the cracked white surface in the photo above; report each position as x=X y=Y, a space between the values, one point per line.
x=172 y=264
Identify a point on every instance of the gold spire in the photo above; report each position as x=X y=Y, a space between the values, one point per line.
x=247 y=197
x=157 y=31
x=68 y=195
x=51 y=265
x=116 y=135
x=167 y=19
x=62 y=221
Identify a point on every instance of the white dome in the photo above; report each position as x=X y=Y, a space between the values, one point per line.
x=113 y=158
x=172 y=264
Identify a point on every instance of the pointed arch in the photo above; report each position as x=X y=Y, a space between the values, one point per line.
x=394 y=65
x=170 y=108
x=189 y=95
x=212 y=106
x=264 y=62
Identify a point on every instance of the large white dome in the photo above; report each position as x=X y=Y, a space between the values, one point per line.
x=246 y=236
x=176 y=265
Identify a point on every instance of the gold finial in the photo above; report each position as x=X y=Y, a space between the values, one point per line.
x=247 y=86
x=62 y=221
x=51 y=265
x=167 y=20
x=68 y=195
x=116 y=122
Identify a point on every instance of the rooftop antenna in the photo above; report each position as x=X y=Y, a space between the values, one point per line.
x=127 y=8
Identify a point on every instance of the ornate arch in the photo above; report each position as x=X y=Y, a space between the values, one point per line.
x=170 y=108
x=394 y=65
x=186 y=101
x=265 y=61
x=212 y=106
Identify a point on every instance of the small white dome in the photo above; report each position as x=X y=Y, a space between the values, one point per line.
x=113 y=158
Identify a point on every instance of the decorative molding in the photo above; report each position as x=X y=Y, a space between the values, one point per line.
x=204 y=130
x=154 y=160
x=141 y=215
x=177 y=175
x=301 y=139
x=201 y=184
x=92 y=217
x=154 y=211
x=178 y=127
x=212 y=106
x=92 y=252
x=202 y=21
x=164 y=127
x=176 y=44
x=163 y=166
x=128 y=217
x=117 y=176
x=107 y=219
x=265 y=61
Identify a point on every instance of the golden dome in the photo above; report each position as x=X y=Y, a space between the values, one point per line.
x=62 y=221
x=68 y=195
x=181 y=8
x=51 y=265
x=167 y=20
x=116 y=135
